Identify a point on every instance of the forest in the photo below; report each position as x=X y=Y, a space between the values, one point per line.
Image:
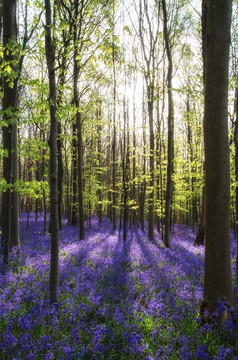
x=118 y=179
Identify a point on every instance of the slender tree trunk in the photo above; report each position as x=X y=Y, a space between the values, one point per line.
x=143 y=185
x=74 y=176
x=78 y=121
x=150 y=91
x=15 y=239
x=218 y=276
x=158 y=160
x=114 y=197
x=99 y=116
x=205 y=3
x=60 y=173
x=169 y=185
x=80 y=177
x=44 y=196
x=62 y=78
x=50 y=57
x=67 y=175
x=236 y=170
x=125 y=170
x=134 y=163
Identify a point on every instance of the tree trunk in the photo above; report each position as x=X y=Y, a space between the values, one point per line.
x=9 y=130
x=218 y=276
x=236 y=170
x=169 y=185
x=201 y=232
x=50 y=57
x=125 y=171
x=44 y=196
x=150 y=95
x=134 y=164
x=62 y=78
x=15 y=239
x=99 y=132
x=80 y=178
x=158 y=161
x=143 y=185
x=60 y=173
x=79 y=137
x=74 y=176
x=114 y=197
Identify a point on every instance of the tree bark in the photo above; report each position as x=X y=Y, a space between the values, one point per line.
x=218 y=276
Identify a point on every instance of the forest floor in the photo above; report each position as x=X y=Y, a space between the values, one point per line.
x=132 y=300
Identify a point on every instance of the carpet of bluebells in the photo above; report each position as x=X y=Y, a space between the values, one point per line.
x=132 y=300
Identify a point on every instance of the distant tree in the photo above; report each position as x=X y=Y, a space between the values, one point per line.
x=114 y=136
x=148 y=37
x=218 y=276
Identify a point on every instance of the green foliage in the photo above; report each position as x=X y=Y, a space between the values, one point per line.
x=32 y=189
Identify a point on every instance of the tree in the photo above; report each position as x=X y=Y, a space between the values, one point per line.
x=9 y=106
x=200 y=234
x=218 y=276
x=50 y=57
x=14 y=54
x=170 y=129
x=151 y=62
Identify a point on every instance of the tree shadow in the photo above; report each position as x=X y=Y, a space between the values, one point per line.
x=167 y=267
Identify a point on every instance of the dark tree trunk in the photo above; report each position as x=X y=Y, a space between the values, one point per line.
x=218 y=276
x=50 y=57
x=79 y=133
x=201 y=231
x=169 y=185
x=205 y=3
x=62 y=78
x=9 y=130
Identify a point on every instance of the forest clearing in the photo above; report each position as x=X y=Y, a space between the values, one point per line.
x=117 y=300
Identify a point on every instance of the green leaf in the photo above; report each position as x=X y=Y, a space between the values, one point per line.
x=126 y=28
x=8 y=69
